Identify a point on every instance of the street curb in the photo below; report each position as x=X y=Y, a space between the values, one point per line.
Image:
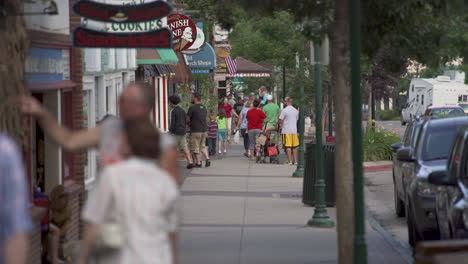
x=403 y=249
x=387 y=167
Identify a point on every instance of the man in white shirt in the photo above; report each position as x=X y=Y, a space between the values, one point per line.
x=288 y=123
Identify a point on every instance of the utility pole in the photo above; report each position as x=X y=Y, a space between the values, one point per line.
x=320 y=217
x=360 y=246
x=284 y=83
x=330 y=110
x=301 y=128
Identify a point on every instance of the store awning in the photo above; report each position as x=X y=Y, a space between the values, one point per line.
x=156 y=56
x=246 y=69
x=182 y=71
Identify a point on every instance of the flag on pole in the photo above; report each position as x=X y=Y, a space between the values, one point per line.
x=231 y=65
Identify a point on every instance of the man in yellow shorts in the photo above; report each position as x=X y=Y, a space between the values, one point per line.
x=288 y=123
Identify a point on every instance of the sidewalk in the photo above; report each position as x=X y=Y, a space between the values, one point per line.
x=240 y=212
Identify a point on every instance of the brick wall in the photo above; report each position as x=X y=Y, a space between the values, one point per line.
x=77 y=196
x=35 y=246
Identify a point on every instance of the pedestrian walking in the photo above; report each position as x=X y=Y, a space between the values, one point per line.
x=272 y=111
x=255 y=118
x=178 y=128
x=136 y=100
x=231 y=100
x=221 y=119
x=196 y=119
x=288 y=123
x=242 y=125
x=263 y=94
x=131 y=213
x=252 y=96
x=212 y=134
x=239 y=106
x=15 y=221
x=229 y=113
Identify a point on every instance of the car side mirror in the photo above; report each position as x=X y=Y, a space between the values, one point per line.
x=396 y=146
x=441 y=178
x=405 y=154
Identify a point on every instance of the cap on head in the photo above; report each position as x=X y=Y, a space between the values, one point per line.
x=270 y=97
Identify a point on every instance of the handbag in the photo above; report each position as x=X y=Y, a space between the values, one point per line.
x=236 y=137
x=261 y=139
x=272 y=151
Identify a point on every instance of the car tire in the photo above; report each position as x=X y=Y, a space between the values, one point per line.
x=399 y=205
x=413 y=236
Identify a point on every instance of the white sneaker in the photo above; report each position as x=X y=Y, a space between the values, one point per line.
x=219 y=152
x=225 y=151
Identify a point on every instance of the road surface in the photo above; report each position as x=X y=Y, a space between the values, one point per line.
x=379 y=202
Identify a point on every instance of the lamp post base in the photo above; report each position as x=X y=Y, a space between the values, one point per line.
x=321 y=219
x=299 y=172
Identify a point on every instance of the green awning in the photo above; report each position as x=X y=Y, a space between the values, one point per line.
x=157 y=56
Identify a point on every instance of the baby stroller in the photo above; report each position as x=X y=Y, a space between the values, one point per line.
x=267 y=148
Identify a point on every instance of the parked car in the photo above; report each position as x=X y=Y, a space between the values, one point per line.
x=451 y=218
x=433 y=146
x=443 y=111
x=401 y=168
x=465 y=107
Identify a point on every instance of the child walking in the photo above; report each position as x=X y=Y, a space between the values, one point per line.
x=212 y=134
x=222 y=120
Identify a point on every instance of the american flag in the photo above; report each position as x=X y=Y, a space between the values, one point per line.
x=231 y=65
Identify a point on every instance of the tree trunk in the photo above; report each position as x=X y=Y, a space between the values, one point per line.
x=339 y=48
x=386 y=102
x=13 y=47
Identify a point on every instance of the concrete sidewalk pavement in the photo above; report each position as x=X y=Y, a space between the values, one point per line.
x=240 y=212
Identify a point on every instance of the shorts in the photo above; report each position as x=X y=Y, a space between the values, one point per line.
x=290 y=140
x=222 y=134
x=198 y=141
x=181 y=142
x=253 y=134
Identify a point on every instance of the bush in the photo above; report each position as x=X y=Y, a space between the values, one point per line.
x=386 y=115
x=377 y=144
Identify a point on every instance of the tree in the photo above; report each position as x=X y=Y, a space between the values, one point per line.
x=13 y=47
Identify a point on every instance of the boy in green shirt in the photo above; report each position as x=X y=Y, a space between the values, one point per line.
x=272 y=112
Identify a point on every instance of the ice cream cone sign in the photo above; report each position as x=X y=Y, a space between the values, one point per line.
x=186 y=38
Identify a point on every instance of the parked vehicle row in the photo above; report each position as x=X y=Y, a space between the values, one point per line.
x=420 y=162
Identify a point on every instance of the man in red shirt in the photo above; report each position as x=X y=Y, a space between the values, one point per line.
x=255 y=117
x=229 y=113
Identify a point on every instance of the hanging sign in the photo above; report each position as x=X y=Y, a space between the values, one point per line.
x=198 y=44
x=184 y=31
x=202 y=71
x=88 y=38
x=122 y=13
x=205 y=58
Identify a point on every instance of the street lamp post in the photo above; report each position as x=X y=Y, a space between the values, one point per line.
x=300 y=167
x=359 y=241
x=320 y=217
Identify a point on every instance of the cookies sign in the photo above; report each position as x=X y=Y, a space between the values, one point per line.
x=184 y=31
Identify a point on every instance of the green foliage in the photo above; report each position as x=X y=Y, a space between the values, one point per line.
x=377 y=144
x=386 y=115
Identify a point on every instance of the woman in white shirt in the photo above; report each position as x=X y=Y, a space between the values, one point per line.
x=136 y=196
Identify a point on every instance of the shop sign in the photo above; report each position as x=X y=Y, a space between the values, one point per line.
x=202 y=71
x=197 y=45
x=138 y=25
x=47 y=65
x=88 y=38
x=122 y=13
x=184 y=31
x=205 y=58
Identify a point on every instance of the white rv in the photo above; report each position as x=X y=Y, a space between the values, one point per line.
x=439 y=91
